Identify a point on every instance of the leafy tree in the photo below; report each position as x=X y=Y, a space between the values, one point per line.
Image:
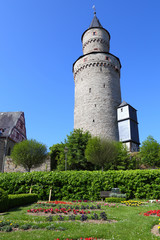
x=110 y=155
x=76 y=144
x=57 y=155
x=150 y=152
x=121 y=160
x=29 y=153
x=134 y=160
x=101 y=152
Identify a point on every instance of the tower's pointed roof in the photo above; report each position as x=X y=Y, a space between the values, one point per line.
x=124 y=103
x=95 y=22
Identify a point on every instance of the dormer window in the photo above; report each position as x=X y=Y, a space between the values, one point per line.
x=85 y=59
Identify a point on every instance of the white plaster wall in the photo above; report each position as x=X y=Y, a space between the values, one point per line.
x=124 y=130
x=123 y=113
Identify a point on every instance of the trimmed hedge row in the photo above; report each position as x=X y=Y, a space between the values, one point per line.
x=17 y=200
x=3 y=200
x=114 y=200
x=74 y=185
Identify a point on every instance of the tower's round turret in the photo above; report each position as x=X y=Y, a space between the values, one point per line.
x=96 y=38
x=97 y=84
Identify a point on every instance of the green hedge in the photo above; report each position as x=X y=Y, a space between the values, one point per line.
x=72 y=185
x=3 y=200
x=17 y=200
x=114 y=199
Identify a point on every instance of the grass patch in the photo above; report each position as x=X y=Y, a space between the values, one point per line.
x=130 y=224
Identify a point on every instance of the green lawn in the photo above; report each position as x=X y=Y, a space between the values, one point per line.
x=130 y=225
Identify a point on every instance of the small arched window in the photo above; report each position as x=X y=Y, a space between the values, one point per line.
x=94 y=33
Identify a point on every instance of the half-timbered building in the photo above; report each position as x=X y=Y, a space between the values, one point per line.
x=12 y=130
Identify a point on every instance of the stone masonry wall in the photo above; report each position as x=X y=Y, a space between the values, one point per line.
x=97 y=86
x=97 y=94
x=95 y=40
x=9 y=166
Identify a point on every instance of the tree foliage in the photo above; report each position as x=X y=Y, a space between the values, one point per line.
x=110 y=155
x=76 y=144
x=121 y=161
x=100 y=152
x=29 y=153
x=57 y=155
x=150 y=152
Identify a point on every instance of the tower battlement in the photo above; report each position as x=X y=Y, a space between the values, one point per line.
x=101 y=59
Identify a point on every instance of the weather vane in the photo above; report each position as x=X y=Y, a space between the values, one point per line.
x=94 y=9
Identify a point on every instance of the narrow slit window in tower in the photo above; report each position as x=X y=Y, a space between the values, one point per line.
x=107 y=58
x=104 y=85
x=93 y=120
x=95 y=105
x=89 y=90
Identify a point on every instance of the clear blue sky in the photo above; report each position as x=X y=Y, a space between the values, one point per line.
x=41 y=39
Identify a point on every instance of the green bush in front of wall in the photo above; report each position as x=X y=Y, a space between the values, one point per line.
x=3 y=200
x=114 y=199
x=75 y=185
x=17 y=200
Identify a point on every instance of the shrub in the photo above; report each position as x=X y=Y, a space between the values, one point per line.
x=84 y=184
x=15 y=225
x=118 y=195
x=103 y=216
x=61 y=229
x=17 y=200
x=114 y=199
x=6 y=229
x=25 y=226
x=95 y=216
x=83 y=217
x=50 y=227
x=49 y=219
x=29 y=153
x=72 y=217
x=3 y=200
x=35 y=227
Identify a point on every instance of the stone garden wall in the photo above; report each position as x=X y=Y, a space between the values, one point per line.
x=9 y=166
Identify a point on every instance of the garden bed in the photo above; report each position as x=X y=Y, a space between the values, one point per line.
x=47 y=226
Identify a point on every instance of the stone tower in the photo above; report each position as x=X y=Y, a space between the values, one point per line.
x=97 y=84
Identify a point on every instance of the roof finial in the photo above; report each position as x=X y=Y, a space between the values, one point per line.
x=94 y=9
